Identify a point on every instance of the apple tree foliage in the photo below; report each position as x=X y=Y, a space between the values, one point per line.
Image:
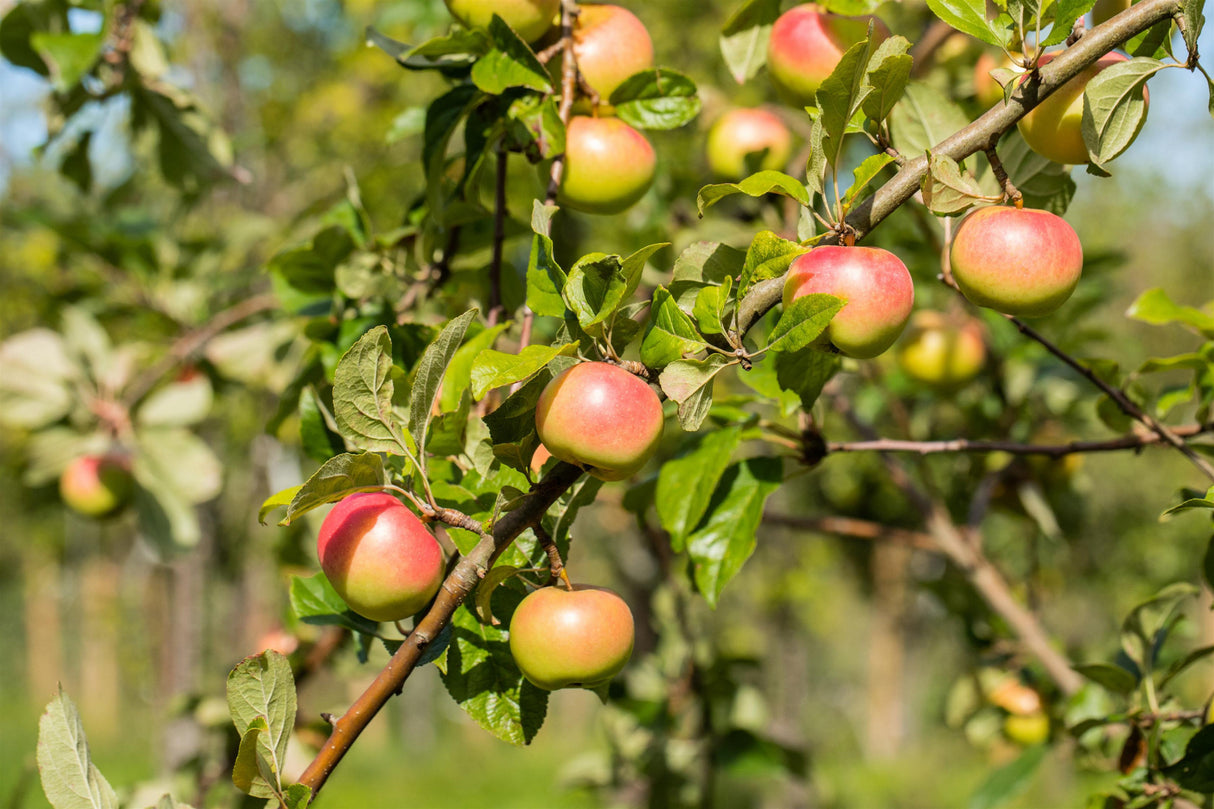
x=410 y=358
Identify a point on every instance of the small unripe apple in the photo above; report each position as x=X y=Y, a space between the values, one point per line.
x=740 y=132
x=942 y=353
x=608 y=165
x=1054 y=128
x=97 y=485
x=1017 y=261
x=578 y=638
x=530 y=19
x=806 y=45
x=610 y=43
x=874 y=283
x=1027 y=730
x=601 y=417
x=1105 y=10
x=379 y=557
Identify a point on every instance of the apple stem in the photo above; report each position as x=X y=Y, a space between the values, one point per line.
x=556 y=565
x=1010 y=191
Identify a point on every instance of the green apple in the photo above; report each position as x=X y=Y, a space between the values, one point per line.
x=874 y=283
x=599 y=416
x=577 y=638
x=943 y=353
x=530 y=19
x=1054 y=128
x=1027 y=730
x=608 y=165
x=379 y=557
x=1017 y=261
x=744 y=131
x=806 y=45
x=97 y=485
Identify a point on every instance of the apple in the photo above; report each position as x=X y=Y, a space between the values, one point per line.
x=1027 y=730
x=1105 y=10
x=1016 y=261
x=530 y=19
x=97 y=485
x=741 y=132
x=874 y=283
x=1015 y=697
x=608 y=165
x=1054 y=128
x=988 y=91
x=577 y=638
x=941 y=352
x=539 y=458
x=379 y=557
x=610 y=44
x=601 y=417
x=806 y=45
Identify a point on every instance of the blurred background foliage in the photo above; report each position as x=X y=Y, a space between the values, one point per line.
x=853 y=656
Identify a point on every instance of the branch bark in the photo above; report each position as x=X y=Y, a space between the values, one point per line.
x=1132 y=441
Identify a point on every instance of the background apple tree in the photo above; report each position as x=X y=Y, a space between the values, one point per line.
x=263 y=256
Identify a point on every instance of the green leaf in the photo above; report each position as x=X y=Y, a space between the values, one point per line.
x=246 y=770
x=595 y=289
x=178 y=404
x=1152 y=43
x=428 y=377
x=1045 y=184
x=947 y=189
x=1194 y=22
x=726 y=537
x=868 y=170
x=545 y=278
x=805 y=373
x=459 y=372
x=458 y=50
x=756 y=185
x=968 y=17
x=362 y=395
x=493 y=369
x=634 y=266
x=670 y=333
x=923 y=118
x=745 y=35
x=511 y=63
x=658 y=98
x=177 y=460
x=1010 y=780
x=69 y=778
x=318 y=441
x=1148 y=624
x=69 y=56
x=281 y=499
x=299 y=796
x=1114 y=678
x=479 y=673
x=1155 y=307
x=36 y=379
x=1115 y=108
x=768 y=256
x=1196 y=770
x=340 y=476
x=888 y=72
x=262 y=688
x=1206 y=502
x=1063 y=15
x=842 y=94
x=1179 y=666
x=314 y=601
x=710 y=305
x=689 y=382
x=686 y=483
x=803 y=321
x=484 y=592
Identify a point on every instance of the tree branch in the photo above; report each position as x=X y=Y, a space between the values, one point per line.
x=458 y=585
x=763 y=296
x=1131 y=441
x=569 y=84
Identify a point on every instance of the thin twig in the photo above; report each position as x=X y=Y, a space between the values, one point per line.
x=569 y=83
x=556 y=565
x=856 y=528
x=1131 y=441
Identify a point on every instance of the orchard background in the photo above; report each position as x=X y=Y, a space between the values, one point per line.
x=207 y=205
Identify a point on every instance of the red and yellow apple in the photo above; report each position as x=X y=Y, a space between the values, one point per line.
x=806 y=45
x=577 y=638
x=875 y=286
x=608 y=165
x=1017 y=261
x=610 y=44
x=1054 y=128
x=743 y=131
x=601 y=417
x=1028 y=729
x=941 y=352
x=379 y=557
x=97 y=485
x=988 y=91
x=530 y=19
x=539 y=458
